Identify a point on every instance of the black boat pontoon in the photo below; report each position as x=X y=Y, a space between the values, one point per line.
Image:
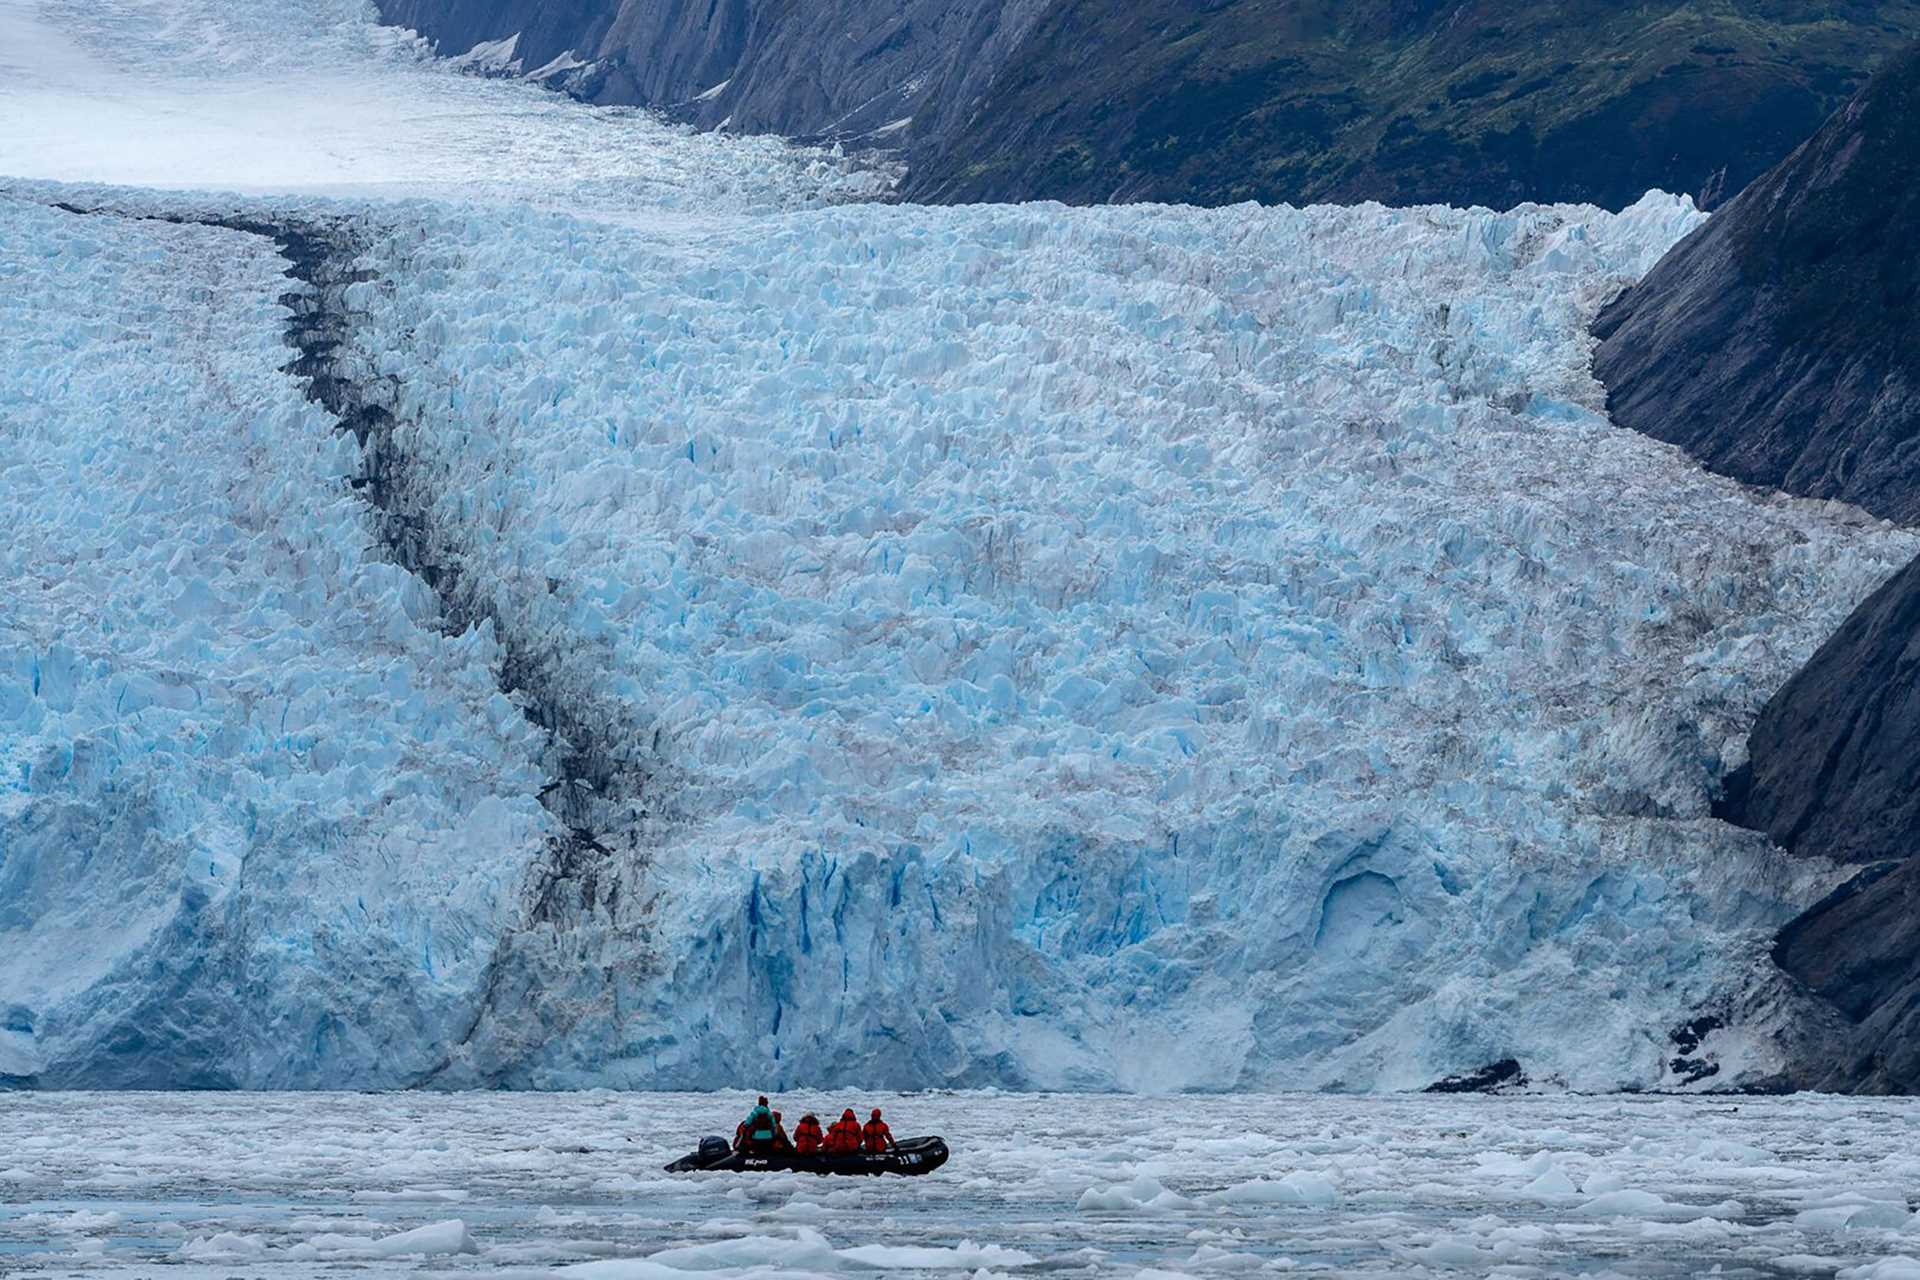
x=910 y=1157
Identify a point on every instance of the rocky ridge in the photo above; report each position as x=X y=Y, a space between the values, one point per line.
x=1489 y=102
x=1780 y=343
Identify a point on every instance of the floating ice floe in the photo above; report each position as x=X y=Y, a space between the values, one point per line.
x=224 y=1246
x=1427 y=1186
x=1649 y=1205
x=1142 y=1195
x=998 y=645
x=437 y=1238
x=1303 y=1186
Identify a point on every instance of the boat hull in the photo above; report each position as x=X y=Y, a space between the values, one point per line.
x=909 y=1158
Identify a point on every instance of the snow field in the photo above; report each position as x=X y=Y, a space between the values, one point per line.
x=545 y=1185
x=311 y=95
x=240 y=771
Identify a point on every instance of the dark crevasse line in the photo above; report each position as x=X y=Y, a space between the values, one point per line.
x=604 y=786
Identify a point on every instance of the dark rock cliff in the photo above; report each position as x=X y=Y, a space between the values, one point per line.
x=1834 y=770
x=1405 y=101
x=1781 y=344
x=1212 y=101
x=1834 y=761
x=1860 y=952
x=841 y=70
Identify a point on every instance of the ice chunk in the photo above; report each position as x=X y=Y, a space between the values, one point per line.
x=926 y=1258
x=1453 y=1252
x=433 y=1195
x=224 y=1246
x=1903 y=1267
x=1302 y=1186
x=1142 y=1195
x=1862 y=1215
x=1553 y=1183
x=807 y=1250
x=435 y=1238
x=449 y=1237
x=1647 y=1204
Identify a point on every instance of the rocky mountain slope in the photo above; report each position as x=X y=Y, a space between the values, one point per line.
x=1858 y=703
x=855 y=70
x=1405 y=101
x=1834 y=762
x=1781 y=344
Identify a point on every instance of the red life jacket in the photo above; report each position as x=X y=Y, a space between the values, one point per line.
x=843 y=1137
x=807 y=1137
x=876 y=1135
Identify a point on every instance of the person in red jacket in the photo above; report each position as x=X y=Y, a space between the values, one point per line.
x=807 y=1135
x=876 y=1137
x=844 y=1137
x=780 y=1140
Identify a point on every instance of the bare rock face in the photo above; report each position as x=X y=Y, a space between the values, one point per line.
x=1462 y=102
x=1835 y=771
x=1834 y=763
x=546 y=29
x=1209 y=102
x=1781 y=344
x=848 y=70
x=1860 y=952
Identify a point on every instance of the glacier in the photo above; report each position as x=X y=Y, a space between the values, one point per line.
x=775 y=637
x=240 y=774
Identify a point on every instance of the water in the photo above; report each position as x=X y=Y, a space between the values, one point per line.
x=306 y=1185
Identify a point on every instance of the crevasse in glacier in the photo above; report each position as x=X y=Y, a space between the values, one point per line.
x=1137 y=647
x=1059 y=636
x=258 y=813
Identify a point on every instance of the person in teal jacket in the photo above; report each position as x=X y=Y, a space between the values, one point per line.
x=756 y=1131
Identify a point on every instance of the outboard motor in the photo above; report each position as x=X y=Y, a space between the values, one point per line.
x=712 y=1148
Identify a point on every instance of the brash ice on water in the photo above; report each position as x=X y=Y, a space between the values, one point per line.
x=781 y=639
x=1088 y=1187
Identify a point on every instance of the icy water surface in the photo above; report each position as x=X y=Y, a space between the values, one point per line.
x=292 y=1185
x=1044 y=639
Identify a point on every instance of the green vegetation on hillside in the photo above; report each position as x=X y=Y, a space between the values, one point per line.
x=1407 y=101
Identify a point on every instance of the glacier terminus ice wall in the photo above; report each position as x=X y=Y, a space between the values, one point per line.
x=749 y=634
